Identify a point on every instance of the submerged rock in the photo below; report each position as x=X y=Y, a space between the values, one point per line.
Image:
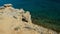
x=17 y=21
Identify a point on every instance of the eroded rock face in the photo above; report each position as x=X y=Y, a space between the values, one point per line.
x=17 y=21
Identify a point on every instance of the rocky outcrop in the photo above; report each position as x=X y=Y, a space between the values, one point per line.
x=18 y=21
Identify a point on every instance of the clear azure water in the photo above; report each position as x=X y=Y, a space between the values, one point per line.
x=47 y=8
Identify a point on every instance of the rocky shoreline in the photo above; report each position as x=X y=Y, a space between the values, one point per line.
x=18 y=21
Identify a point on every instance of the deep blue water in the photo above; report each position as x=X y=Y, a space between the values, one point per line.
x=38 y=8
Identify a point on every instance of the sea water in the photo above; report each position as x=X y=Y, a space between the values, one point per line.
x=38 y=8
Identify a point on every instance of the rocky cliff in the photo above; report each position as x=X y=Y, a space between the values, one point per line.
x=18 y=21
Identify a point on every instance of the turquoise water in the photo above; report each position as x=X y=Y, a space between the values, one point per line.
x=40 y=10
x=50 y=8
